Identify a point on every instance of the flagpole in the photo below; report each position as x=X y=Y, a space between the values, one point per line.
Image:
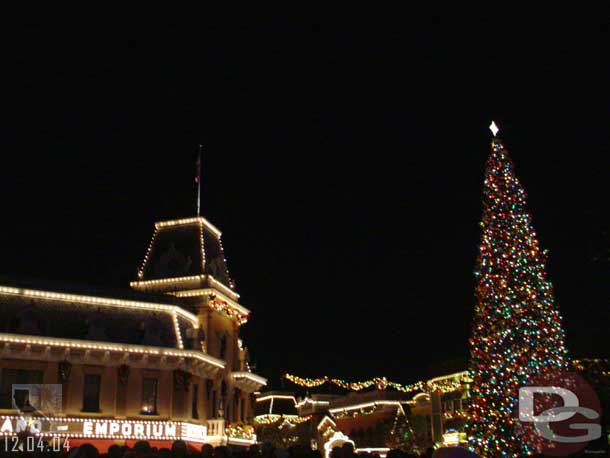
x=199 y=181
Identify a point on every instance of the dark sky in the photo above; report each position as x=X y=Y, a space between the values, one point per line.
x=344 y=165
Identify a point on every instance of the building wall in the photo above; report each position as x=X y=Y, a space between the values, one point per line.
x=173 y=402
x=168 y=406
x=216 y=325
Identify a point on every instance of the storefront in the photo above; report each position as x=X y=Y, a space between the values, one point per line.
x=160 y=363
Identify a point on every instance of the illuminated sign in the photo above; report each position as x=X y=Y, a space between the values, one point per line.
x=20 y=424
x=126 y=428
x=103 y=428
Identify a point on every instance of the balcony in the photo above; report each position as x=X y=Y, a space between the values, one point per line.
x=248 y=382
x=222 y=433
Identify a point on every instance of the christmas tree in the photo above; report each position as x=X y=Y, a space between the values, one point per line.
x=517 y=332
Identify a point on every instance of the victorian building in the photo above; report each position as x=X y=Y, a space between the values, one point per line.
x=160 y=362
x=372 y=421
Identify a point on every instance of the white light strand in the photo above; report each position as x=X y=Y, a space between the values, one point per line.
x=185 y=221
x=202 y=248
x=100 y=301
x=311 y=401
x=122 y=348
x=222 y=252
x=276 y=396
x=253 y=378
x=177 y=329
x=368 y=404
x=147 y=255
x=191 y=278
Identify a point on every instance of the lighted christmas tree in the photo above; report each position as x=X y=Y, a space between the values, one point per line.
x=517 y=331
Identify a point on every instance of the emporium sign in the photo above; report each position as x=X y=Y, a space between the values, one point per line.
x=102 y=428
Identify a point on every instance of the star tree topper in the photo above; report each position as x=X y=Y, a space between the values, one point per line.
x=494 y=128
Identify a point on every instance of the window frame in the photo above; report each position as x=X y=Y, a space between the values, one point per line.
x=98 y=395
x=155 y=396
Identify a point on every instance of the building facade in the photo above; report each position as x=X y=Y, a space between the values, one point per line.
x=372 y=421
x=160 y=362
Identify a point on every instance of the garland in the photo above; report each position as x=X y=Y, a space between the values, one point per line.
x=270 y=418
x=380 y=383
x=355 y=413
x=224 y=307
x=240 y=431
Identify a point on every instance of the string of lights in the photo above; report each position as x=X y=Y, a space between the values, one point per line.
x=517 y=331
x=382 y=383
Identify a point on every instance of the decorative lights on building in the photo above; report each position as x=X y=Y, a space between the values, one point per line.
x=226 y=308
x=147 y=255
x=100 y=301
x=444 y=384
x=121 y=348
x=251 y=377
x=194 y=220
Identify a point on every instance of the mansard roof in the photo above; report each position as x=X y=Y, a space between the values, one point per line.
x=187 y=251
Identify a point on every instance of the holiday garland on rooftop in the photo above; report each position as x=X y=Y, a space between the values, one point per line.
x=380 y=383
x=517 y=332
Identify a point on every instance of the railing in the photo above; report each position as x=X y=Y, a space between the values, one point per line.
x=221 y=433
x=216 y=427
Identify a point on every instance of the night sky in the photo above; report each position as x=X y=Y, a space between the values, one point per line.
x=343 y=163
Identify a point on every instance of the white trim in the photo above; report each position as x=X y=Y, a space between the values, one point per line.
x=206 y=291
x=382 y=451
x=326 y=417
x=252 y=377
x=368 y=404
x=123 y=348
x=160 y=281
x=240 y=441
x=276 y=396
x=96 y=300
x=338 y=436
x=185 y=221
x=311 y=401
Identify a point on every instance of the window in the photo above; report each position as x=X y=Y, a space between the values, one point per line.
x=91 y=393
x=214 y=407
x=27 y=376
x=194 y=411
x=7 y=378
x=149 y=396
x=236 y=395
x=223 y=346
